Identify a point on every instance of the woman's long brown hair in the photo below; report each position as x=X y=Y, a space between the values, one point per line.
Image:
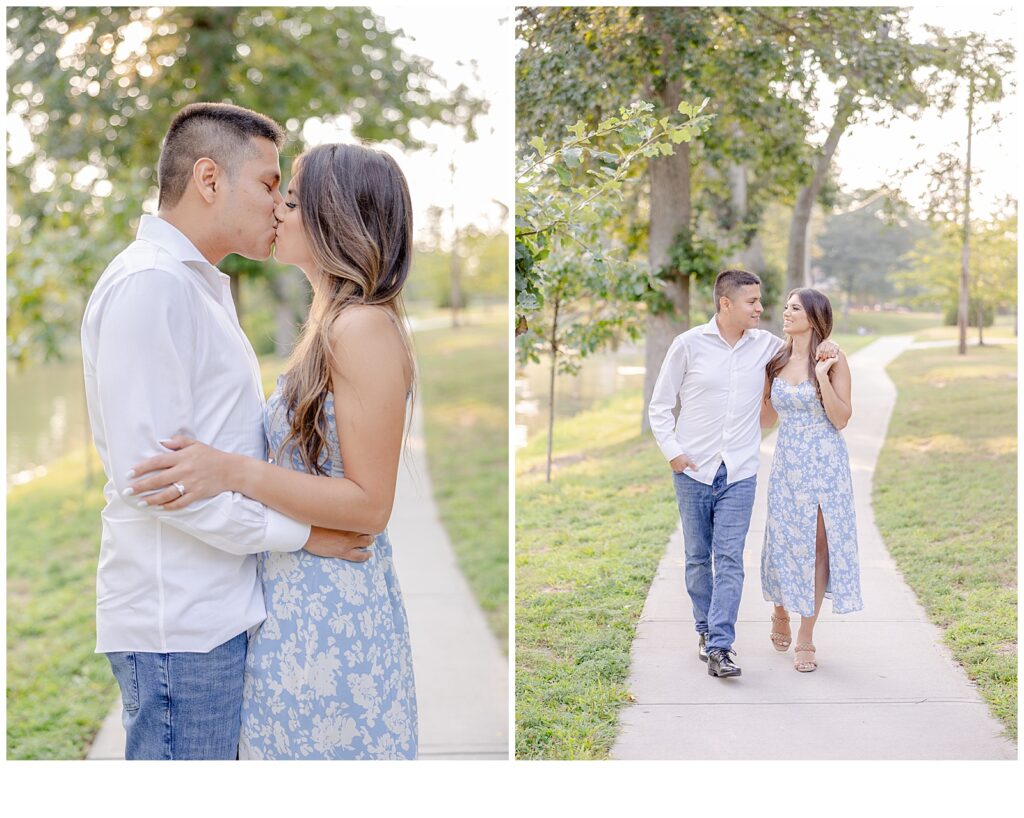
x=357 y=215
x=819 y=315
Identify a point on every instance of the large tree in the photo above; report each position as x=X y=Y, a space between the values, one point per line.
x=96 y=89
x=869 y=62
x=703 y=200
x=982 y=67
x=575 y=290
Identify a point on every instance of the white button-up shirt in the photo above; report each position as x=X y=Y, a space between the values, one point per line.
x=164 y=355
x=718 y=389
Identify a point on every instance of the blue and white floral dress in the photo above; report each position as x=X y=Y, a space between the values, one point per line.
x=811 y=467
x=329 y=673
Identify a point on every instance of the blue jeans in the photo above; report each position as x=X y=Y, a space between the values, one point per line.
x=715 y=521
x=182 y=705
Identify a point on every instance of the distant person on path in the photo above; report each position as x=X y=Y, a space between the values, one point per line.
x=329 y=675
x=810 y=541
x=715 y=373
x=163 y=353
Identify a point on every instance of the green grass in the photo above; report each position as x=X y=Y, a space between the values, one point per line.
x=464 y=390
x=946 y=504
x=587 y=548
x=885 y=323
x=58 y=690
x=1003 y=328
x=851 y=343
x=846 y=331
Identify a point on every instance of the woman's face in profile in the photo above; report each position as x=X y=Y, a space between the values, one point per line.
x=292 y=245
x=794 y=317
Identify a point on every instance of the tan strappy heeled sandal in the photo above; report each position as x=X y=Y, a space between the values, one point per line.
x=780 y=641
x=803 y=659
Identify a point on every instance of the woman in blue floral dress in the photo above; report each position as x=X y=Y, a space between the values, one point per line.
x=329 y=674
x=810 y=543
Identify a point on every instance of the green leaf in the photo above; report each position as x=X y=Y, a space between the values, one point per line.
x=683 y=134
x=539 y=145
x=579 y=129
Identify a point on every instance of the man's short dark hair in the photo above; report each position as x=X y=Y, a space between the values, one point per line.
x=729 y=281
x=212 y=130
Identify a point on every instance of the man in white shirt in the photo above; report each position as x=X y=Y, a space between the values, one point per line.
x=715 y=373
x=163 y=352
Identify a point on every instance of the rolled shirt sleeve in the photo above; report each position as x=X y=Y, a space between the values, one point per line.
x=145 y=349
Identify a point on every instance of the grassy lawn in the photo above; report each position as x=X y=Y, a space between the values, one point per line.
x=587 y=548
x=58 y=690
x=946 y=503
x=885 y=323
x=1003 y=328
x=464 y=391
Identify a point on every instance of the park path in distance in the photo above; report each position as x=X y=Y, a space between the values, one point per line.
x=886 y=686
x=461 y=673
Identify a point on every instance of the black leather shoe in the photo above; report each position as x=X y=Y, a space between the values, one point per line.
x=720 y=665
x=702 y=647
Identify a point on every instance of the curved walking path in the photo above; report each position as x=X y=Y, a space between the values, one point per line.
x=886 y=686
x=461 y=673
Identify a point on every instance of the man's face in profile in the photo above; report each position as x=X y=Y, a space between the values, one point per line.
x=253 y=191
x=745 y=307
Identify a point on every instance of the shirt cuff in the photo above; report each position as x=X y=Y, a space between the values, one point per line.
x=671 y=449
x=283 y=533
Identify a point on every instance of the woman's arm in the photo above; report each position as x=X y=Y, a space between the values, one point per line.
x=768 y=414
x=836 y=387
x=370 y=379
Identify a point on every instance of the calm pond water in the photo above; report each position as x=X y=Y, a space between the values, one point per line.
x=46 y=416
x=601 y=376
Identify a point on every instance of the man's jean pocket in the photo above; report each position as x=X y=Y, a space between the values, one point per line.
x=126 y=673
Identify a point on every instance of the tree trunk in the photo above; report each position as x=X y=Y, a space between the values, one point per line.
x=965 y=254
x=738 y=207
x=551 y=386
x=750 y=256
x=798 y=254
x=285 y=289
x=455 y=291
x=670 y=216
x=981 y=325
x=455 y=284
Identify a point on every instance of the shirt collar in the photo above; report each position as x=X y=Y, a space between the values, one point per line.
x=168 y=237
x=712 y=328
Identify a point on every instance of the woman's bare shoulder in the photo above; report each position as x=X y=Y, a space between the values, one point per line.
x=366 y=338
x=363 y=318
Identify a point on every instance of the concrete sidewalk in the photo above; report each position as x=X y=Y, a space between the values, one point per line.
x=886 y=687
x=461 y=673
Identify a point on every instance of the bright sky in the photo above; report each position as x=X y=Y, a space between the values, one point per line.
x=871 y=154
x=484 y=168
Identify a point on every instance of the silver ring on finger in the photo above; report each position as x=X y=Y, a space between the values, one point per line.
x=181 y=489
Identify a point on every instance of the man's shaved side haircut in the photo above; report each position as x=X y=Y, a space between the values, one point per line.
x=729 y=281
x=210 y=130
